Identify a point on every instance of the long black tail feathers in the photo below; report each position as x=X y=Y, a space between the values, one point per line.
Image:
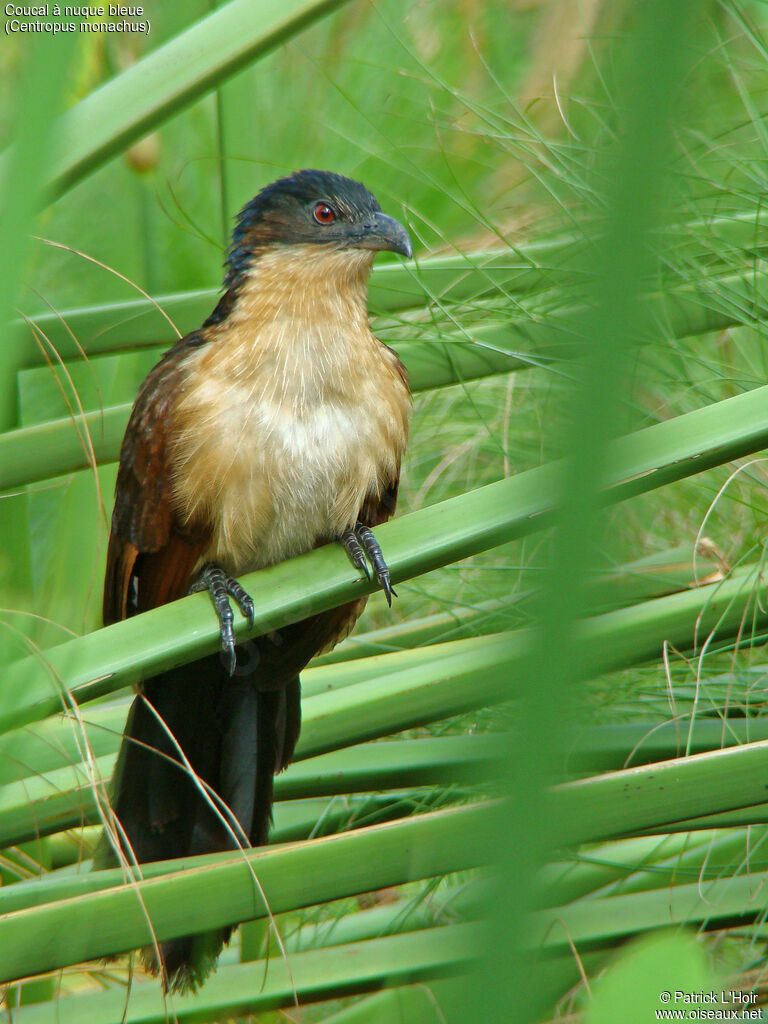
x=187 y=961
x=236 y=736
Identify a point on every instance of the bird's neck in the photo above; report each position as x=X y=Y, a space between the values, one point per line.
x=299 y=325
x=305 y=284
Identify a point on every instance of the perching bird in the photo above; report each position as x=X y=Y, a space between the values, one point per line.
x=277 y=427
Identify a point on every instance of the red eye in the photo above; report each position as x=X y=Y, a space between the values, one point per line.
x=324 y=214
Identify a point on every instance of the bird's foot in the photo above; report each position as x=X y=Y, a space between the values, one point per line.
x=221 y=586
x=359 y=543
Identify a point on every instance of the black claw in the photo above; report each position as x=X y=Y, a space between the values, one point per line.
x=364 y=537
x=228 y=657
x=221 y=586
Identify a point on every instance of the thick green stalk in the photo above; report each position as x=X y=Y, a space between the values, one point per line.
x=170 y=78
x=120 y=654
x=597 y=870
x=49 y=449
x=630 y=174
x=606 y=747
x=589 y=923
x=260 y=986
x=416 y=1004
x=41 y=805
x=656 y=796
x=102 y=916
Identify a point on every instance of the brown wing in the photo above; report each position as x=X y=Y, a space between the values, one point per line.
x=151 y=555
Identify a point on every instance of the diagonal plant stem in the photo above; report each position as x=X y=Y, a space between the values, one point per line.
x=316 y=974
x=121 y=654
x=102 y=915
x=49 y=449
x=170 y=78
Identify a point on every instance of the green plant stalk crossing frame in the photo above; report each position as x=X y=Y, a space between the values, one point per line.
x=107 y=659
x=315 y=974
x=49 y=449
x=172 y=77
x=94 y=915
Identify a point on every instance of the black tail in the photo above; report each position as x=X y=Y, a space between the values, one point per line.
x=235 y=735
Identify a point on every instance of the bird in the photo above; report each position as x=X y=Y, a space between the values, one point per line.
x=276 y=427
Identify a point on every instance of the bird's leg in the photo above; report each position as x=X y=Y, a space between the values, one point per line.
x=380 y=567
x=221 y=586
x=357 y=543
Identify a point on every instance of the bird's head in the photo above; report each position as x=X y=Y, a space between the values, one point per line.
x=315 y=209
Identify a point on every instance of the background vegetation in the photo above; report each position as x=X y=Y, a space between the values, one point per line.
x=563 y=813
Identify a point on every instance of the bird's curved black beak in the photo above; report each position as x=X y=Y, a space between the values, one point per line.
x=384 y=233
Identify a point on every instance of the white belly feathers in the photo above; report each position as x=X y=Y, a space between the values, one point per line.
x=287 y=461
x=305 y=477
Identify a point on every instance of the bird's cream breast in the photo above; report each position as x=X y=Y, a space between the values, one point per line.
x=280 y=435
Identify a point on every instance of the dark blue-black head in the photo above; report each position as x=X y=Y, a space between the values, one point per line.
x=312 y=208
